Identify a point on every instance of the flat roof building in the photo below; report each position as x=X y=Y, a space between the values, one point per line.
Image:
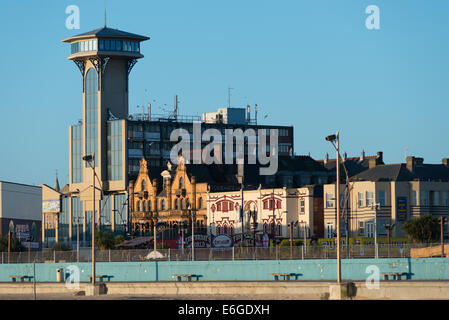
x=20 y=211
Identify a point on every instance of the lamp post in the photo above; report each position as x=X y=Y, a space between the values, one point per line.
x=442 y=222
x=336 y=138
x=192 y=212
x=211 y=226
x=388 y=227
x=89 y=159
x=376 y=246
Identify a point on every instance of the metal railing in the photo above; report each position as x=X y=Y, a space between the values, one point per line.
x=212 y=254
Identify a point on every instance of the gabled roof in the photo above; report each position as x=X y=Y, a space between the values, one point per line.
x=106 y=32
x=400 y=172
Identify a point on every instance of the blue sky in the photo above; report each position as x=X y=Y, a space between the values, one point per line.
x=311 y=63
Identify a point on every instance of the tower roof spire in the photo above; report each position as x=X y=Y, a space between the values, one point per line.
x=56 y=182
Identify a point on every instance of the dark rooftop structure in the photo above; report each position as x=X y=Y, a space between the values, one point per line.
x=106 y=32
x=413 y=170
x=354 y=165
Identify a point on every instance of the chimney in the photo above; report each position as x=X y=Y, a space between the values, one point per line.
x=248 y=114
x=380 y=157
x=412 y=162
x=345 y=156
x=149 y=112
x=372 y=163
x=362 y=157
x=326 y=158
x=445 y=161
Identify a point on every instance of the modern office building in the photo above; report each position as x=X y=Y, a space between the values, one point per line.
x=118 y=140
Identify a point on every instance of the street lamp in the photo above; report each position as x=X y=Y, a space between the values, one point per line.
x=443 y=220
x=89 y=159
x=335 y=138
x=253 y=214
x=375 y=206
x=388 y=227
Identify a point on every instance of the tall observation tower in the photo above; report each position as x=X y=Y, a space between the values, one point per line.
x=105 y=58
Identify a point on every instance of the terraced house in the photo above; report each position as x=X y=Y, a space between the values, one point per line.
x=386 y=195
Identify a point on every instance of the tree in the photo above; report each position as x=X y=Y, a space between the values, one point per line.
x=107 y=240
x=16 y=245
x=422 y=229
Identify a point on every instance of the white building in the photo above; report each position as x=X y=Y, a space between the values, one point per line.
x=281 y=205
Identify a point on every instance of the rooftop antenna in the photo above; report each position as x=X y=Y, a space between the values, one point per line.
x=105 y=14
x=255 y=116
x=176 y=107
x=229 y=96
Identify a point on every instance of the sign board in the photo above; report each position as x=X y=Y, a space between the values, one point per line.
x=201 y=241
x=31 y=245
x=265 y=240
x=51 y=206
x=23 y=231
x=401 y=208
x=222 y=241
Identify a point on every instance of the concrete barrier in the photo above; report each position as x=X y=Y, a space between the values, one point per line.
x=394 y=290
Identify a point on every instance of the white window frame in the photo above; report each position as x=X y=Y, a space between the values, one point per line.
x=371 y=198
x=329 y=200
x=360 y=200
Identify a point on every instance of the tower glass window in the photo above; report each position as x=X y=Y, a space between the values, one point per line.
x=105 y=217
x=91 y=111
x=64 y=221
x=114 y=153
x=77 y=219
x=120 y=212
x=77 y=154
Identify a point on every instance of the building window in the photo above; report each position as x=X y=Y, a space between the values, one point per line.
x=361 y=200
x=329 y=230
x=162 y=204
x=149 y=205
x=121 y=209
x=369 y=199
x=435 y=198
x=77 y=154
x=144 y=187
x=91 y=112
x=302 y=206
x=424 y=201
x=446 y=198
x=361 y=228
x=181 y=183
x=176 y=204
x=414 y=198
x=114 y=150
x=182 y=204
x=381 y=198
x=329 y=200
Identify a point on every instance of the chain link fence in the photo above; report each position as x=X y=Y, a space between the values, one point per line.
x=206 y=254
